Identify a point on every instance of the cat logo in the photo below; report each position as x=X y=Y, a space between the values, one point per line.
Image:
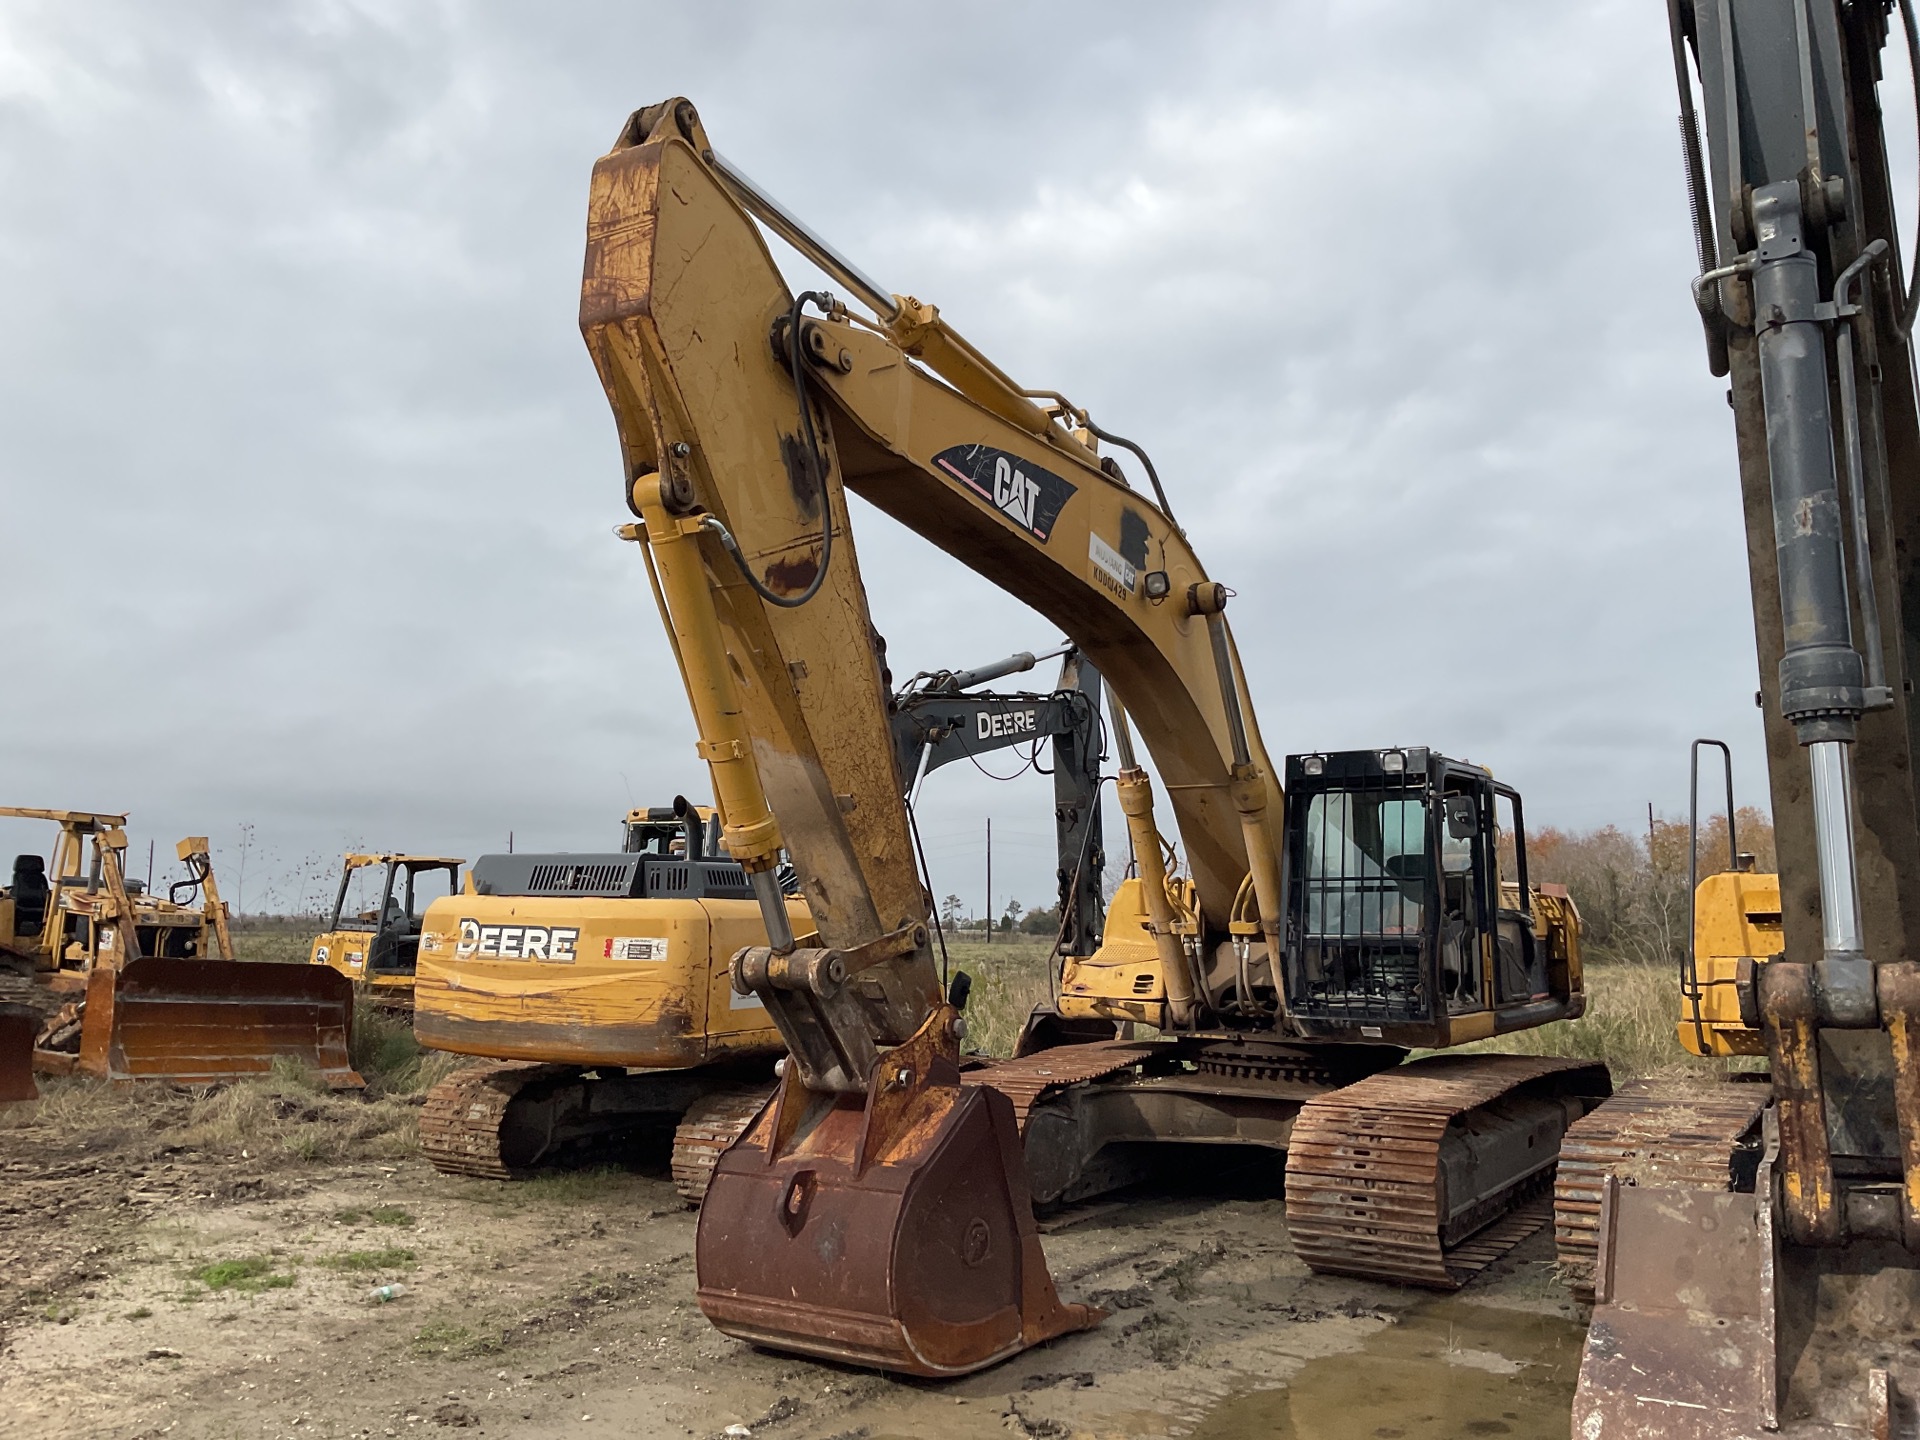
x=1026 y=494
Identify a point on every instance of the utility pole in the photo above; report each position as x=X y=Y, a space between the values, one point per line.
x=989 y=880
x=1650 y=861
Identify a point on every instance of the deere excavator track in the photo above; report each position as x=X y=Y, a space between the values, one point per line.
x=515 y=1118
x=709 y=1127
x=1689 y=1134
x=463 y=1120
x=1427 y=1173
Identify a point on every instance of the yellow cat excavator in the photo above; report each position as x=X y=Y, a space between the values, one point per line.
x=879 y=1210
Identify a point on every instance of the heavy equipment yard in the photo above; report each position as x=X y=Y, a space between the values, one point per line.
x=1309 y=1118
x=528 y=1307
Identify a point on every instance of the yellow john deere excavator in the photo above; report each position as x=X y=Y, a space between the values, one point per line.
x=159 y=995
x=879 y=1210
x=1753 y=1247
x=599 y=982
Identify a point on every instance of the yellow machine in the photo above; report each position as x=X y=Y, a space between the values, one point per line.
x=158 y=992
x=879 y=1210
x=377 y=947
x=601 y=979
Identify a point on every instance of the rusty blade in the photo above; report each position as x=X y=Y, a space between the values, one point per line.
x=1681 y=1345
x=199 y=1021
x=16 y=1058
x=893 y=1230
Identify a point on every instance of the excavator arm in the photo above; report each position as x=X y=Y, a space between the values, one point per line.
x=745 y=415
x=696 y=338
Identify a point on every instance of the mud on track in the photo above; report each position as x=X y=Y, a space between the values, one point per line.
x=151 y=1288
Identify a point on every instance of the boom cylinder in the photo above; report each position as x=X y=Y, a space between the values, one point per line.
x=1135 y=792
x=752 y=834
x=1822 y=677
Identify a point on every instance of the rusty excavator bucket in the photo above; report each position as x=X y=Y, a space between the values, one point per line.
x=16 y=1058
x=890 y=1229
x=194 y=1022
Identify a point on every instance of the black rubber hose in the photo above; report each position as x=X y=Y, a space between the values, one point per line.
x=1152 y=475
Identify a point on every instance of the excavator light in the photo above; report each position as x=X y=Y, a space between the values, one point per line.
x=1312 y=765
x=1157 y=584
x=1394 y=762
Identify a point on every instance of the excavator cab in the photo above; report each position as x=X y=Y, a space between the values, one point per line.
x=1409 y=917
x=682 y=830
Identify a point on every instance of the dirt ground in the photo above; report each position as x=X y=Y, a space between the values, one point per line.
x=154 y=1284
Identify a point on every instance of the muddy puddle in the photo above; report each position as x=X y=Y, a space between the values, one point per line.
x=1445 y=1369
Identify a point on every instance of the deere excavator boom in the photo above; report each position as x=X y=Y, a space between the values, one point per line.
x=880 y=1209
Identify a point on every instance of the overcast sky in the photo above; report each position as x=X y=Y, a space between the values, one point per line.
x=309 y=484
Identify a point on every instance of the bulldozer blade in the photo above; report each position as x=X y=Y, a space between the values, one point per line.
x=893 y=1229
x=198 y=1021
x=1682 y=1343
x=16 y=1058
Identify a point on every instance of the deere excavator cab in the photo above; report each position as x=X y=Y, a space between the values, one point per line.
x=1399 y=919
x=599 y=982
x=378 y=946
x=680 y=830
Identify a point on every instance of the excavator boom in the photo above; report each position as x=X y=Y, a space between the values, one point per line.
x=879 y=1210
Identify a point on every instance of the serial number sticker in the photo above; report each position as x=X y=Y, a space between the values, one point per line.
x=737 y=1001
x=1113 y=568
x=635 y=947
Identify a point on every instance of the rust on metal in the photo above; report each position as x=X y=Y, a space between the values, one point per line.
x=890 y=1229
x=195 y=1022
x=1026 y=1080
x=1899 y=990
x=16 y=1058
x=462 y=1121
x=704 y=1133
x=1790 y=1011
x=1366 y=1191
x=1693 y=1135
x=1681 y=1345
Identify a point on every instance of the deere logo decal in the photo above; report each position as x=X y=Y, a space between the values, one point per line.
x=1018 y=489
x=1012 y=722
x=517 y=942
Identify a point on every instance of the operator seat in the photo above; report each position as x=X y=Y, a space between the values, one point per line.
x=29 y=894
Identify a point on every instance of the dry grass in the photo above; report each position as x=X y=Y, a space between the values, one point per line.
x=288 y=940
x=1631 y=1013
x=1631 y=1010
x=286 y=1114
x=1010 y=977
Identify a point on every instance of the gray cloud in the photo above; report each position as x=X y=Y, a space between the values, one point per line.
x=308 y=481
